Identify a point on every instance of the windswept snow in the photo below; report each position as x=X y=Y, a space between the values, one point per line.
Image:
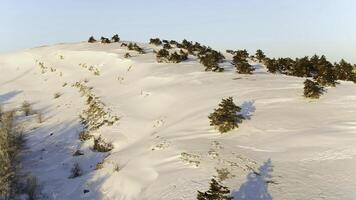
x=288 y=148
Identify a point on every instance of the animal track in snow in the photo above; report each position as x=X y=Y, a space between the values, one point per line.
x=159 y=122
x=190 y=159
x=161 y=144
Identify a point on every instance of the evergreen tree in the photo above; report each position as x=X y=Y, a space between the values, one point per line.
x=241 y=54
x=91 y=39
x=115 y=38
x=312 y=89
x=226 y=117
x=260 y=55
x=271 y=65
x=344 y=71
x=302 y=68
x=105 y=40
x=215 y=192
x=155 y=41
x=326 y=75
x=244 y=67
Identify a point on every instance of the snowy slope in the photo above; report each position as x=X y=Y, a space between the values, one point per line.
x=164 y=147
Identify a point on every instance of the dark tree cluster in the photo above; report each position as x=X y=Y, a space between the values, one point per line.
x=227 y=116
x=207 y=56
x=105 y=40
x=163 y=56
x=135 y=47
x=155 y=41
x=317 y=67
x=240 y=62
x=91 y=39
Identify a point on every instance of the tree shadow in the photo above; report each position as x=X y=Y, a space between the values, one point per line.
x=247 y=108
x=256 y=186
x=9 y=95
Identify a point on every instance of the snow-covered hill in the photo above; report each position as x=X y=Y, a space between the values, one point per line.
x=164 y=148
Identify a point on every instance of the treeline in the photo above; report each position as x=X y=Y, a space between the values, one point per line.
x=317 y=67
x=319 y=71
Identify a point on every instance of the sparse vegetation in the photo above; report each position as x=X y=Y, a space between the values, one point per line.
x=115 y=38
x=57 y=95
x=116 y=168
x=40 y=118
x=101 y=145
x=226 y=117
x=105 y=40
x=76 y=171
x=127 y=55
x=99 y=165
x=223 y=174
x=78 y=153
x=10 y=144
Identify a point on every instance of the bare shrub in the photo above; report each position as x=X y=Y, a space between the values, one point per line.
x=127 y=55
x=76 y=171
x=57 y=95
x=85 y=135
x=101 y=145
x=26 y=108
x=99 y=165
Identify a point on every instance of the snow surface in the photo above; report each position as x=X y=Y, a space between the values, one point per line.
x=164 y=148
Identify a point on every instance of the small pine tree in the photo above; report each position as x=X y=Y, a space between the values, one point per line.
x=105 y=40
x=155 y=41
x=91 y=39
x=312 y=89
x=260 y=55
x=244 y=68
x=215 y=192
x=226 y=117
x=115 y=38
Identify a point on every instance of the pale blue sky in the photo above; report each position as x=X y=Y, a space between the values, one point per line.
x=279 y=27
